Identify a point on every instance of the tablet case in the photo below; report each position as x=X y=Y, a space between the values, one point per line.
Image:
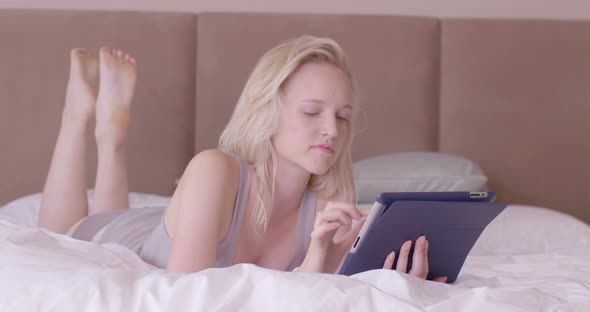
x=452 y=228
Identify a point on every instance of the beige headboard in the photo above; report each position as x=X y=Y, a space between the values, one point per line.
x=34 y=66
x=510 y=94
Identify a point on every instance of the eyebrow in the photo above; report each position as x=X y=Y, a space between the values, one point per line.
x=322 y=102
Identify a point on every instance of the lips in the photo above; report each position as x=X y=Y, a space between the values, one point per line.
x=325 y=147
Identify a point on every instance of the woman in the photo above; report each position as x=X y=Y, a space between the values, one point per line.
x=279 y=191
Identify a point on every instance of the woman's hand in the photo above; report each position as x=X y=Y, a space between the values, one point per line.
x=332 y=236
x=419 y=260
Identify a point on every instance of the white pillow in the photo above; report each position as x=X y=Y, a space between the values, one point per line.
x=521 y=229
x=416 y=172
x=24 y=210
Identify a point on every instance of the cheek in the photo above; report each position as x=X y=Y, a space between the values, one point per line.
x=301 y=127
x=305 y=128
x=295 y=133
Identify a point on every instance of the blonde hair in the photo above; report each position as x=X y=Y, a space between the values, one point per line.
x=255 y=120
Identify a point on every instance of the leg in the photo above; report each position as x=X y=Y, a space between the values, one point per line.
x=118 y=74
x=64 y=195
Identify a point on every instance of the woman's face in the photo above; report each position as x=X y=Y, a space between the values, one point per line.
x=313 y=121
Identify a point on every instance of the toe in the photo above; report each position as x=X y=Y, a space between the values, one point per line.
x=76 y=51
x=105 y=50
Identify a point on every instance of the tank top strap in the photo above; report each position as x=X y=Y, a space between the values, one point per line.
x=226 y=248
x=306 y=218
x=308 y=214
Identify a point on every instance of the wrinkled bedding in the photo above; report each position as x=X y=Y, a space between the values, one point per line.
x=44 y=271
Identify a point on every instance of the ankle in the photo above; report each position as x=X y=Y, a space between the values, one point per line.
x=109 y=143
x=72 y=124
x=112 y=127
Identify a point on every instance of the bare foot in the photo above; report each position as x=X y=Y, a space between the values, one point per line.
x=118 y=73
x=81 y=89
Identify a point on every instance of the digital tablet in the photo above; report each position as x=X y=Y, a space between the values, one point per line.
x=451 y=221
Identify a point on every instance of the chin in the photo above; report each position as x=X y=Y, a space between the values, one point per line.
x=318 y=166
x=319 y=172
x=318 y=169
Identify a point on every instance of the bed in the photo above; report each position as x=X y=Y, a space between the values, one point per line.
x=448 y=104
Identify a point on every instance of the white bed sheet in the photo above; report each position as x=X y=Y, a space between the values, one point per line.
x=40 y=270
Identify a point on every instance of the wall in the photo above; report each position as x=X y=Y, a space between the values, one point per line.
x=552 y=9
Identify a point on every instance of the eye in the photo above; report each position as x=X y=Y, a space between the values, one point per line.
x=311 y=114
x=342 y=118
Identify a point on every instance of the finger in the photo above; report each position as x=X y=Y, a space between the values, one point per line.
x=441 y=279
x=356 y=228
x=389 y=261
x=364 y=211
x=402 y=261
x=324 y=229
x=334 y=215
x=350 y=209
x=420 y=259
x=349 y=238
x=426 y=264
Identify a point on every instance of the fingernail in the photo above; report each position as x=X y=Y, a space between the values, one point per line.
x=390 y=257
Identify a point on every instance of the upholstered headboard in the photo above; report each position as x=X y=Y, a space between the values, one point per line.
x=511 y=95
x=34 y=63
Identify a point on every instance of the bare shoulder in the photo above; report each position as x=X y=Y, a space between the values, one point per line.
x=208 y=183
x=217 y=173
x=214 y=160
x=200 y=210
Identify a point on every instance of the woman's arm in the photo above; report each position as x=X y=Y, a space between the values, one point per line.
x=205 y=199
x=332 y=235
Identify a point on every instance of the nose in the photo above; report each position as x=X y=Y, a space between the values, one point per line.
x=330 y=127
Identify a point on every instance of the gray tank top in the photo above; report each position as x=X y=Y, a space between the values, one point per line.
x=156 y=248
